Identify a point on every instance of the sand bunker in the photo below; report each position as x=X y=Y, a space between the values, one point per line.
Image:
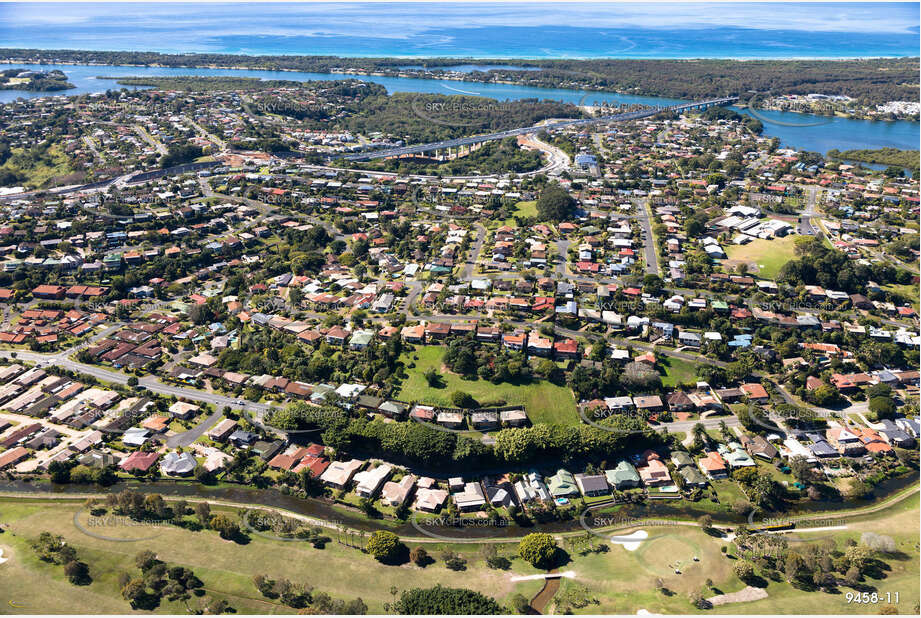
x=632 y=541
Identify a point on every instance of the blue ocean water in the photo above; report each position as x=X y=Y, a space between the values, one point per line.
x=481 y=30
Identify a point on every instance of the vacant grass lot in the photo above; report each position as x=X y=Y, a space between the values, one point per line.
x=37 y=175
x=522 y=209
x=677 y=371
x=907 y=290
x=764 y=257
x=545 y=402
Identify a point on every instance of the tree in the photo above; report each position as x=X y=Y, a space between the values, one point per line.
x=539 y=549
x=882 y=407
x=520 y=604
x=744 y=570
x=134 y=591
x=77 y=572
x=493 y=559
x=226 y=527
x=555 y=203
x=878 y=542
x=432 y=377
x=384 y=546
x=419 y=556
x=706 y=522
x=652 y=284
x=203 y=512
x=461 y=399
x=441 y=600
x=145 y=559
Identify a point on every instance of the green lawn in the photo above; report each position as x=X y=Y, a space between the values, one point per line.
x=544 y=402
x=764 y=257
x=225 y=567
x=620 y=581
x=522 y=209
x=677 y=371
x=526 y=209
x=907 y=290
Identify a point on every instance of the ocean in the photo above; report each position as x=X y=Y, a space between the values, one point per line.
x=480 y=30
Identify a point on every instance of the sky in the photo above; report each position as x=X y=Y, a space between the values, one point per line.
x=214 y=26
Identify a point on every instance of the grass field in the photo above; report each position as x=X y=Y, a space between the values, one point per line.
x=38 y=175
x=764 y=257
x=225 y=567
x=545 y=402
x=522 y=209
x=620 y=581
x=677 y=371
x=907 y=290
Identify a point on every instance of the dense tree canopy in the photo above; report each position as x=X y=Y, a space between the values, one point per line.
x=555 y=203
x=450 y=601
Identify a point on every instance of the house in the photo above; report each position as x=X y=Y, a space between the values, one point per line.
x=138 y=461
x=430 y=499
x=340 y=473
x=909 y=426
x=393 y=409
x=484 y=420
x=451 y=420
x=243 y=439
x=471 y=498
x=820 y=449
x=844 y=441
x=692 y=476
x=425 y=414
x=592 y=485
x=735 y=455
x=183 y=410
x=755 y=393
x=369 y=481
x=395 y=494
x=178 y=464
x=360 y=340
x=513 y=418
x=757 y=446
x=13 y=456
x=221 y=432
x=678 y=401
x=713 y=466
x=336 y=336
x=729 y=395
x=873 y=441
x=895 y=435
x=531 y=487
x=135 y=436
x=648 y=403
x=498 y=493
x=681 y=459
x=623 y=476
x=654 y=473
x=562 y=484
x=49 y=292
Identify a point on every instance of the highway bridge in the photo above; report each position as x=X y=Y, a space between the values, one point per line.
x=476 y=139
